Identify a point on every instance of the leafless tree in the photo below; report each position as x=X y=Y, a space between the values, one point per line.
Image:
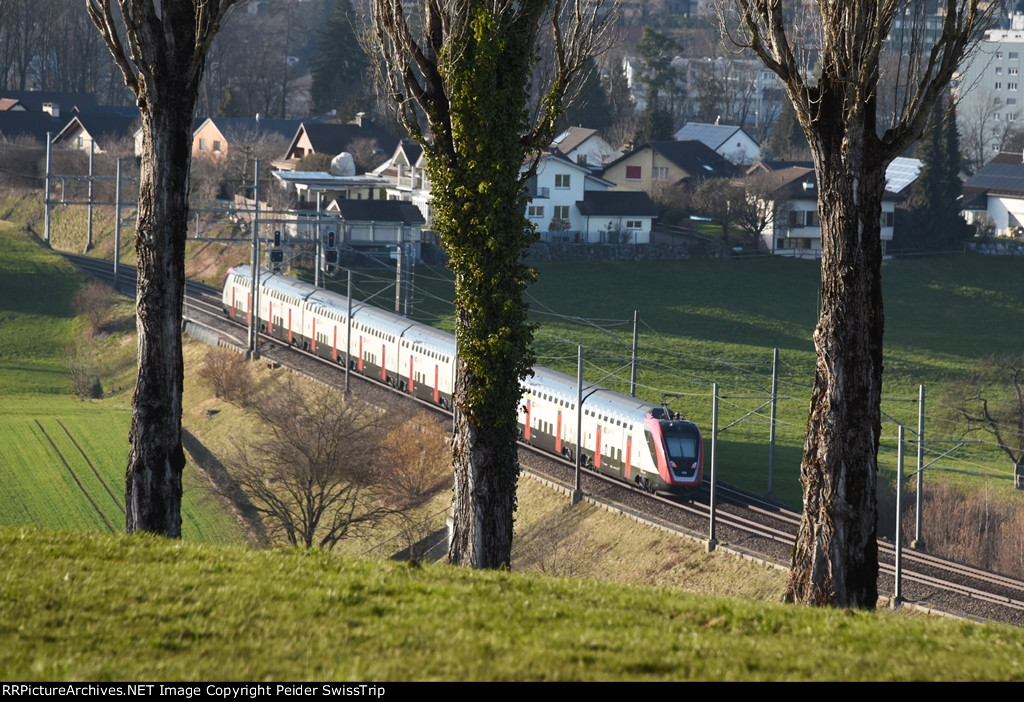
x=985 y=129
x=93 y=301
x=827 y=55
x=160 y=48
x=459 y=74
x=313 y=470
x=993 y=401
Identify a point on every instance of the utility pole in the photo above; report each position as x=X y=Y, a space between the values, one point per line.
x=636 y=339
x=92 y=174
x=117 y=220
x=771 y=428
x=46 y=193
x=254 y=301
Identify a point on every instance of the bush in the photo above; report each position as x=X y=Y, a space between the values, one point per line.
x=81 y=366
x=229 y=376
x=93 y=301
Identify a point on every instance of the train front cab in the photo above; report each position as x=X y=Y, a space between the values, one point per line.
x=678 y=449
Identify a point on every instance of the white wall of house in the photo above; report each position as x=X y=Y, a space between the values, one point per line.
x=560 y=185
x=594 y=152
x=796 y=230
x=1006 y=212
x=618 y=230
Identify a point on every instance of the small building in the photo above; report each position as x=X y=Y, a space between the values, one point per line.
x=570 y=203
x=728 y=141
x=365 y=223
x=333 y=139
x=406 y=173
x=661 y=164
x=794 y=227
x=585 y=147
x=102 y=130
x=214 y=135
x=994 y=196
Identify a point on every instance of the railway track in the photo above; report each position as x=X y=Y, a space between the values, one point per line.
x=743 y=524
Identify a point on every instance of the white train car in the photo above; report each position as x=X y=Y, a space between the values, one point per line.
x=621 y=436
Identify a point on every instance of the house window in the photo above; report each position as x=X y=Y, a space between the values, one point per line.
x=999 y=86
x=1011 y=86
x=202 y=144
x=812 y=219
x=1011 y=117
x=562 y=180
x=581 y=159
x=1014 y=71
x=1011 y=101
x=216 y=146
x=1014 y=55
x=999 y=54
x=796 y=218
x=561 y=212
x=535 y=211
x=887 y=219
x=633 y=173
x=634 y=224
x=999 y=70
x=660 y=173
x=997 y=101
x=995 y=117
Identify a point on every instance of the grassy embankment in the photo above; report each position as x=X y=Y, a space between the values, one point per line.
x=62 y=459
x=78 y=606
x=39 y=490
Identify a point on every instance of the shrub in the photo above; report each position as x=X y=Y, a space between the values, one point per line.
x=229 y=376
x=93 y=301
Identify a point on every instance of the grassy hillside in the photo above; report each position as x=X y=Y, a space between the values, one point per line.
x=62 y=460
x=184 y=611
x=717 y=321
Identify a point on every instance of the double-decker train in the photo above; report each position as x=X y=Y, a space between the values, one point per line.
x=620 y=436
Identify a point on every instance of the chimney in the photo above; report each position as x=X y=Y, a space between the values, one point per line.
x=359 y=118
x=52 y=109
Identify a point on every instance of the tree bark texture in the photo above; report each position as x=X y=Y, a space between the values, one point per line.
x=160 y=48
x=828 y=56
x=835 y=559
x=156 y=459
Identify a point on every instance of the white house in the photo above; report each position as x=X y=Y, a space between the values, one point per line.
x=406 y=173
x=794 y=228
x=728 y=141
x=585 y=147
x=995 y=195
x=569 y=203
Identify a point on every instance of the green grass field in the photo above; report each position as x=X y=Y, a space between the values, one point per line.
x=71 y=610
x=703 y=322
x=62 y=459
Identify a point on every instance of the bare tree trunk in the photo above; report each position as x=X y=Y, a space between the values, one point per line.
x=487 y=467
x=160 y=49
x=835 y=560
x=156 y=461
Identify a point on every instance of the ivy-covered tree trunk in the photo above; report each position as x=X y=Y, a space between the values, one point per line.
x=465 y=70
x=479 y=212
x=160 y=48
